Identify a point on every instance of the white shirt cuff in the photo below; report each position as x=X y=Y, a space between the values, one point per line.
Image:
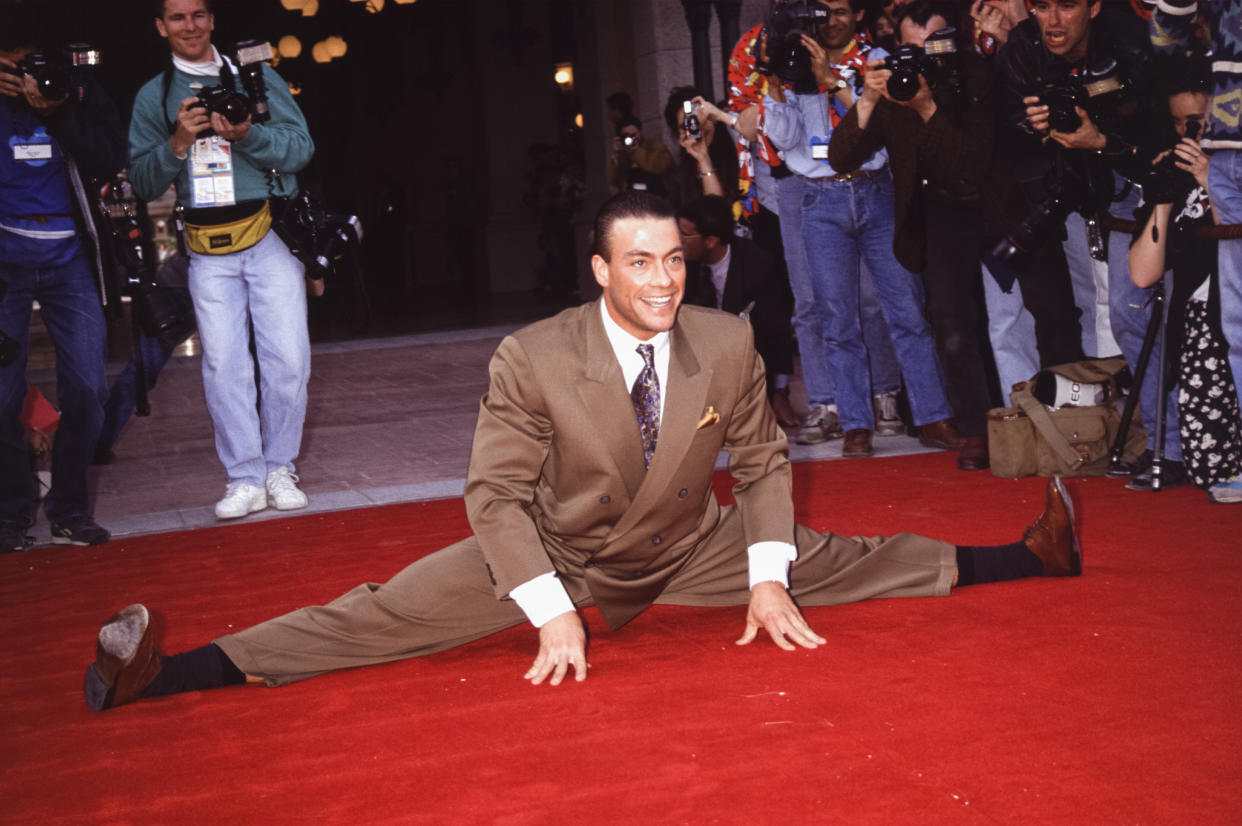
x=542 y=598
x=769 y=562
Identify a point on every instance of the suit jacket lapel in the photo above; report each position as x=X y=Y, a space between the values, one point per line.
x=607 y=400
x=683 y=407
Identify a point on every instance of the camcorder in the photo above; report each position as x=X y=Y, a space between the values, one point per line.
x=52 y=71
x=231 y=104
x=1075 y=183
x=937 y=61
x=320 y=239
x=9 y=348
x=786 y=55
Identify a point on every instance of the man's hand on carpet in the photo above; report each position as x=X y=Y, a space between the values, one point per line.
x=562 y=643
x=772 y=609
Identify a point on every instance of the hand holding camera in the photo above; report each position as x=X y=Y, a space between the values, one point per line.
x=16 y=82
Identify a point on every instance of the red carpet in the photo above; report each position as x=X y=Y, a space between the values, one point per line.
x=1113 y=698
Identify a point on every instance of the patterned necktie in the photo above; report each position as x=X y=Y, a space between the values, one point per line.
x=646 y=398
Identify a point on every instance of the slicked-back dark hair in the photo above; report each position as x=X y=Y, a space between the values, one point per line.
x=157 y=6
x=633 y=203
x=711 y=215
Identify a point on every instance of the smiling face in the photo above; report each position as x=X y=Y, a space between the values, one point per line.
x=644 y=276
x=1065 y=25
x=842 y=23
x=187 y=25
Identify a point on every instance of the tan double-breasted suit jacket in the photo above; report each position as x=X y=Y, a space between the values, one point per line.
x=557 y=483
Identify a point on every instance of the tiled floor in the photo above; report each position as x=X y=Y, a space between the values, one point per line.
x=389 y=420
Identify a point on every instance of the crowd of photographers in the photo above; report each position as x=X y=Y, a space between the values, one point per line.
x=964 y=193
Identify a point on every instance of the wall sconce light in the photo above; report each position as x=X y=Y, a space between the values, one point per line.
x=320 y=52
x=295 y=89
x=578 y=120
x=564 y=76
x=293 y=5
x=309 y=7
x=289 y=46
x=375 y=6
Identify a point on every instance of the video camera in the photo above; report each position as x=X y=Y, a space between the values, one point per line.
x=232 y=104
x=51 y=71
x=787 y=57
x=936 y=61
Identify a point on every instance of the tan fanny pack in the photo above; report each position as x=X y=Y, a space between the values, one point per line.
x=233 y=236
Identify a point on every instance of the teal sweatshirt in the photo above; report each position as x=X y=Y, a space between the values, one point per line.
x=283 y=143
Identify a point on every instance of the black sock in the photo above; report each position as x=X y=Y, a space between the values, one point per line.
x=995 y=563
x=206 y=667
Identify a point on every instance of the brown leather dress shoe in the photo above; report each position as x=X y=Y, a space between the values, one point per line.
x=974 y=454
x=1051 y=537
x=857 y=443
x=942 y=435
x=125 y=660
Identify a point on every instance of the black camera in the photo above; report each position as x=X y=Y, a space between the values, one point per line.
x=316 y=237
x=1089 y=92
x=629 y=140
x=9 y=348
x=124 y=224
x=233 y=106
x=786 y=54
x=936 y=61
x=51 y=71
x=1167 y=182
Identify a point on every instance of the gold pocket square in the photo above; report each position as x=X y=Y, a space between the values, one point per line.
x=710 y=417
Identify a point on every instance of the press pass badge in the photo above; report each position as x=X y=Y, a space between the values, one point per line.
x=211 y=172
x=27 y=152
x=819 y=149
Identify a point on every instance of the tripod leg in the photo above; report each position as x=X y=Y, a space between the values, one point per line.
x=1115 y=468
x=1159 y=310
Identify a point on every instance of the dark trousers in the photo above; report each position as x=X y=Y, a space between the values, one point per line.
x=951 y=280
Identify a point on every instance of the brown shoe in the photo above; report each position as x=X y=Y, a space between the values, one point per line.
x=857 y=443
x=974 y=454
x=125 y=660
x=1051 y=537
x=942 y=435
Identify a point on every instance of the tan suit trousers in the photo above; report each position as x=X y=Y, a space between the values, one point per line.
x=446 y=598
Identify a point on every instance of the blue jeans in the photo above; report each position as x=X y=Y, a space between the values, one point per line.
x=1011 y=329
x=846 y=225
x=69 y=304
x=1129 y=310
x=260 y=288
x=885 y=377
x=1090 y=281
x=122 y=396
x=1225 y=184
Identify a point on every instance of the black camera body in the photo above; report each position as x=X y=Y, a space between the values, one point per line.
x=52 y=71
x=232 y=106
x=1167 y=182
x=316 y=237
x=1094 y=91
x=787 y=56
x=936 y=61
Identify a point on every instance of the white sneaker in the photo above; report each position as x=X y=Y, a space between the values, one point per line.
x=240 y=499
x=821 y=424
x=282 y=490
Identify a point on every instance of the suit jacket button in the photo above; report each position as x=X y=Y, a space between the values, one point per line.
x=656 y=540
x=681 y=494
x=605 y=499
